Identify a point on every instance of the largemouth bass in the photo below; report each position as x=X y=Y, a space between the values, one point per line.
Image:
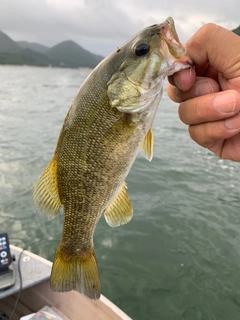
x=109 y=121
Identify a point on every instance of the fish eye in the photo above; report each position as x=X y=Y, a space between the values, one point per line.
x=142 y=49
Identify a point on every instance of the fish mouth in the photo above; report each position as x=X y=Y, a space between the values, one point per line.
x=177 y=50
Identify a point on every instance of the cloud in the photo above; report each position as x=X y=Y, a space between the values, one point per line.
x=102 y=25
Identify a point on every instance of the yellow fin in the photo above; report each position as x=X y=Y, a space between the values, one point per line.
x=120 y=210
x=45 y=196
x=147 y=145
x=76 y=272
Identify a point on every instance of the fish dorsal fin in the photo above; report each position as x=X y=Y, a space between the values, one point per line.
x=147 y=145
x=120 y=211
x=46 y=199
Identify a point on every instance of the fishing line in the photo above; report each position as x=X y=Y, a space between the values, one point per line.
x=40 y=225
x=20 y=289
x=3 y=315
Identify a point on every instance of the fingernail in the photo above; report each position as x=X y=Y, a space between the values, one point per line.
x=203 y=88
x=233 y=123
x=225 y=103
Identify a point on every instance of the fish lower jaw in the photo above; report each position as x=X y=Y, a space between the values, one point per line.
x=176 y=67
x=171 y=64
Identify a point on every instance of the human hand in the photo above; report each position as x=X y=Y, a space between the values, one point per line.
x=209 y=95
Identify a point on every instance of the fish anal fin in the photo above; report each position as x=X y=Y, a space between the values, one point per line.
x=120 y=211
x=147 y=145
x=45 y=195
x=76 y=272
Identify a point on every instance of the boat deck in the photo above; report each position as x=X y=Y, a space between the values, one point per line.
x=36 y=293
x=34 y=269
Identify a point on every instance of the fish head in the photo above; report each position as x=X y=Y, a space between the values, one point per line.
x=148 y=58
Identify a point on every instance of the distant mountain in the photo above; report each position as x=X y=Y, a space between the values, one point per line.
x=67 y=54
x=24 y=57
x=7 y=44
x=12 y=53
x=237 y=30
x=33 y=46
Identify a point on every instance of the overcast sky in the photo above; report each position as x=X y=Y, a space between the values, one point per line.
x=102 y=25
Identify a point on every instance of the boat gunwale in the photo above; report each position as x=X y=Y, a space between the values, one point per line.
x=103 y=300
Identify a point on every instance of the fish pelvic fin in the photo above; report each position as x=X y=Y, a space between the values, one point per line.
x=147 y=145
x=76 y=272
x=45 y=197
x=120 y=211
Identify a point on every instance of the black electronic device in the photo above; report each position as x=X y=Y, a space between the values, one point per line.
x=7 y=276
x=5 y=255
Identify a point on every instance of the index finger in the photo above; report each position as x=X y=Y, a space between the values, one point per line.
x=217 y=46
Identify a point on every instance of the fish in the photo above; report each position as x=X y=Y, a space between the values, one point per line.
x=108 y=123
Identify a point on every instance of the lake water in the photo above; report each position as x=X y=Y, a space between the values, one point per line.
x=179 y=257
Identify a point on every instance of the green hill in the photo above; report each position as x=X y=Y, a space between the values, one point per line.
x=33 y=46
x=25 y=57
x=237 y=30
x=12 y=53
x=7 y=44
x=67 y=54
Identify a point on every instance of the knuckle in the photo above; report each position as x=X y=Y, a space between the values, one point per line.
x=208 y=28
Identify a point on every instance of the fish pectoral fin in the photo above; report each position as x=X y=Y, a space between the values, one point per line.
x=120 y=211
x=76 y=272
x=147 y=145
x=45 y=196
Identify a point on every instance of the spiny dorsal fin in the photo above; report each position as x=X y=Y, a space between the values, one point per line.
x=147 y=145
x=120 y=211
x=46 y=199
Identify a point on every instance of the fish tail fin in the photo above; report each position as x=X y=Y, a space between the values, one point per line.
x=76 y=272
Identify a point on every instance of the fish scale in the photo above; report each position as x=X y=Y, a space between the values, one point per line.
x=109 y=121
